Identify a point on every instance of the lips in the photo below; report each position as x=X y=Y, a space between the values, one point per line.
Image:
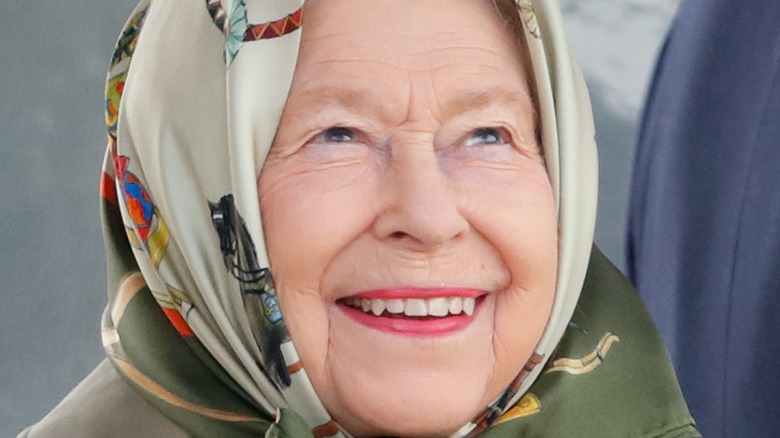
x=414 y=311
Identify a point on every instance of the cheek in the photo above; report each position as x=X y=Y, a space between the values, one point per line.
x=517 y=216
x=514 y=210
x=308 y=218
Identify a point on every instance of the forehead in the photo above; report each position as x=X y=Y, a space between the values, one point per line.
x=434 y=36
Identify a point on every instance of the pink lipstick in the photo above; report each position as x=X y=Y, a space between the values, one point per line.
x=414 y=311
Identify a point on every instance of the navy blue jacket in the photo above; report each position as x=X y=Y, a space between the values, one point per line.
x=703 y=242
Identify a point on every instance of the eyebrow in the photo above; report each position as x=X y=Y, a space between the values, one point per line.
x=468 y=100
x=366 y=100
x=362 y=100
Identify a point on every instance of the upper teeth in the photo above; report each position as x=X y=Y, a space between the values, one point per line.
x=439 y=306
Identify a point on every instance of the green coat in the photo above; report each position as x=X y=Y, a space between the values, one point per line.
x=609 y=377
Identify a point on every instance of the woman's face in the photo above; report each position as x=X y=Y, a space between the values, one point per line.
x=408 y=215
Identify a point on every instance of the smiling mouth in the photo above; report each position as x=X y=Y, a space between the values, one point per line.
x=413 y=307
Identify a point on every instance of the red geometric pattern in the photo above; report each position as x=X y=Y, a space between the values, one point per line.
x=274 y=29
x=178 y=322
x=107 y=188
x=328 y=429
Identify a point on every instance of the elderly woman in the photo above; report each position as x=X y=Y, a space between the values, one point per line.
x=377 y=223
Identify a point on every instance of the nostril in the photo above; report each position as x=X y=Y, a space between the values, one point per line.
x=398 y=235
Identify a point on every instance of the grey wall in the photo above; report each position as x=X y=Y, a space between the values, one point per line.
x=616 y=42
x=53 y=56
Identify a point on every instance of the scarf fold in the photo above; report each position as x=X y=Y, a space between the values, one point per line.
x=194 y=96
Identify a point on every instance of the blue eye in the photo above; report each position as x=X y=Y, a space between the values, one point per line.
x=339 y=134
x=485 y=136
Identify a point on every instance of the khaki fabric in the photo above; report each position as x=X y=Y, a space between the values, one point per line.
x=103 y=405
x=610 y=377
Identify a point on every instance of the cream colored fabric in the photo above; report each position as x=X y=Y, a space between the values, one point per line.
x=569 y=140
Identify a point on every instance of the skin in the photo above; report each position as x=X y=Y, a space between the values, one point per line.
x=406 y=157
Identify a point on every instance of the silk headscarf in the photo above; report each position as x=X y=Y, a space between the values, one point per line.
x=194 y=96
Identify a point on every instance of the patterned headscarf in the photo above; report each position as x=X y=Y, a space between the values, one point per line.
x=195 y=93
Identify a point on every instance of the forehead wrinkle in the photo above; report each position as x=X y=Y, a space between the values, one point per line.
x=414 y=45
x=418 y=60
x=463 y=101
x=467 y=47
x=364 y=101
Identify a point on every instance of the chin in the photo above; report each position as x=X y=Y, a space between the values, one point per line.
x=411 y=415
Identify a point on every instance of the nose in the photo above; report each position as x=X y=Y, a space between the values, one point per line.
x=419 y=207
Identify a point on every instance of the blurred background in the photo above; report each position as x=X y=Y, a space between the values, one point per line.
x=53 y=57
